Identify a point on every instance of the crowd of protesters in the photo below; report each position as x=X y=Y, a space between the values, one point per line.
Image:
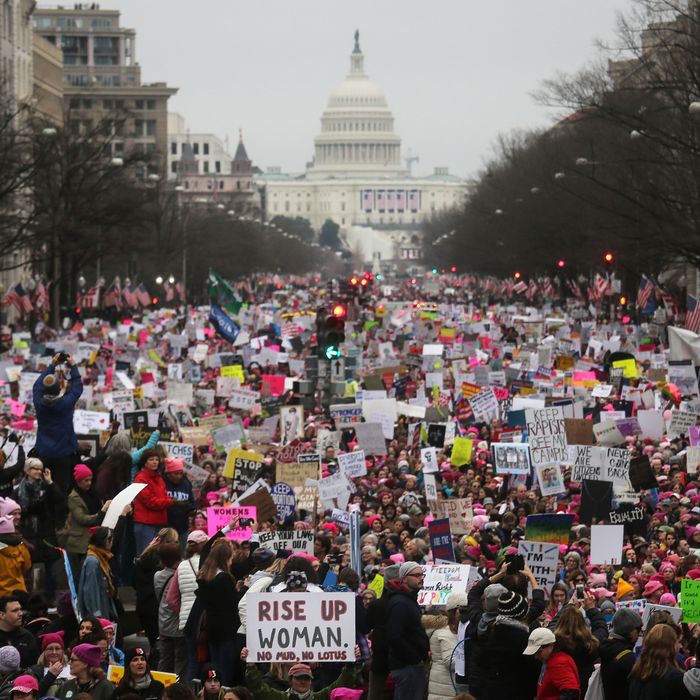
x=68 y=583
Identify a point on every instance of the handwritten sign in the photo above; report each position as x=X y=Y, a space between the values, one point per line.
x=353 y=464
x=219 y=516
x=546 y=435
x=690 y=600
x=441 y=580
x=291 y=540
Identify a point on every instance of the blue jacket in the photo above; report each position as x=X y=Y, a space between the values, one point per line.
x=183 y=502
x=55 y=436
x=93 y=596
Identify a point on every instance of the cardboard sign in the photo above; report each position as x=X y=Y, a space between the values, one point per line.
x=90 y=421
x=579 y=431
x=335 y=488
x=116 y=673
x=285 y=502
x=616 y=465
x=546 y=435
x=220 y=516
x=195 y=436
x=441 y=539
x=484 y=405
x=291 y=540
x=353 y=464
x=243 y=399
x=119 y=502
x=543 y=560
x=459 y=512
x=179 y=450
x=296 y=474
x=441 y=580
x=370 y=438
x=295 y=627
x=587 y=463
x=263 y=503
x=631 y=518
x=428 y=455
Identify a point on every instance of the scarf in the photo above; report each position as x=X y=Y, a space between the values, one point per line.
x=291 y=694
x=103 y=557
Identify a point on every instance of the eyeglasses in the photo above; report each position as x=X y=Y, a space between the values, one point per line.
x=302 y=678
x=420 y=575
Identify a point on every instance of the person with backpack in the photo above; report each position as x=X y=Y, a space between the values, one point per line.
x=171 y=643
x=617 y=653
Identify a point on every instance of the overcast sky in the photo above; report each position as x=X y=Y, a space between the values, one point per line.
x=455 y=72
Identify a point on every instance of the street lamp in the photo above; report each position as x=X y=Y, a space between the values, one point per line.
x=116 y=162
x=559 y=176
x=171 y=279
x=49 y=131
x=159 y=280
x=694 y=109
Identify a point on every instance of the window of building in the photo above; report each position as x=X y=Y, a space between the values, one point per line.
x=195 y=148
x=150 y=104
x=138 y=127
x=87 y=104
x=173 y=148
x=75 y=47
x=173 y=167
x=217 y=166
x=108 y=104
x=286 y=206
x=74 y=103
x=109 y=80
x=118 y=104
x=206 y=166
x=221 y=184
x=101 y=23
x=150 y=127
x=205 y=148
x=139 y=104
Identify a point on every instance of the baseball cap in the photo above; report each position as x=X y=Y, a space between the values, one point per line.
x=25 y=684
x=540 y=637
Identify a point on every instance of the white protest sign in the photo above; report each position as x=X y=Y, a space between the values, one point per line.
x=692 y=459
x=295 y=627
x=606 y=544
x=352 y=464
x=292 y=540
x=651 y=422
x=680 y=423
x=484 y=405
x=119 y=502
x=460 y=513
x=546 y=435
x=616 y=465
x=650 y=608
x=430 y=491
x=90 y=421
x=607 y=433
x=179 y=450
x=243 y=398
x=346 y=415
x=442 y=580
x=543 y=559
x=587 y=461
x=225 y=385
x=334 y=487
x=428 y=455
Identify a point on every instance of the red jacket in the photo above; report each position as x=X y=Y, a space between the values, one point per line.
x=560 y=674
x=151 y=505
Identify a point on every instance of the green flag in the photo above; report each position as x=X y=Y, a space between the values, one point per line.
x=223 y=294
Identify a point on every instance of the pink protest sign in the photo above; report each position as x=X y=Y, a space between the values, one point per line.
x=276 y=382
x=219 y=516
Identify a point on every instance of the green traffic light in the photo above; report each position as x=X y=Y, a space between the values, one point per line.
x=435 y=270
x=332 y=352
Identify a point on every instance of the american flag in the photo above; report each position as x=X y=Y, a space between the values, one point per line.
x=113 y=296
x=692 y=315
x=519 y=287
x=547 y=287
x=381 y=200
x=41 y=297
x=575 y=289
x=91 y=298
x=644 y=292
x=19 y=298
x=602 y=286
x=531 y=290
x=291 y=330
x=11 y=297
x=144 y=298
x=129 y=296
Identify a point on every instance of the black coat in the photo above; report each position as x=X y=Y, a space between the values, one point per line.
x=220 y=599
x=153 y=692
x=509 y=674
x=616 y=661
x=407 y=640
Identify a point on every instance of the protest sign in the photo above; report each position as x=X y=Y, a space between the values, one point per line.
x=650 y=608
x=441 y=539
x=546 y=435
x=242 y=466
x=441 y=580
x=119 y=502
x=227 y=436
x=459 y=512
x=285 y=502
x=428 y=455
x=220 y=516
x=295 y=627
x=543 y=560
x=261 y=500
x=550 y=479
x=431 y=492
x=616 y=465
x=606 y=544
x=461 y=451
x=680 y=423
x=511 y=457
x=195 y=436
x=607 y=433
x=370 y=438
x=587 y=462
x=484 y=405
x=554 y=528
x=641 y=474
x=116 y=673
x=292 y=540
x=335 y=488
x=297 y=474
x=243 y=399
x=179 y=450
x=307 y=497
x=690 y=600
x=352 y=464
x=346 y=415
x=90 y=421
x=631 y=518
x=290 y=452
x=692 y=459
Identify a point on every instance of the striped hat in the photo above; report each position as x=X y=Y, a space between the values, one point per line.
x=512 y=604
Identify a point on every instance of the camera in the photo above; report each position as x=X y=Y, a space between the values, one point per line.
x=516 y=562
x=13 y=437
x=63 y=357
x=579 y=591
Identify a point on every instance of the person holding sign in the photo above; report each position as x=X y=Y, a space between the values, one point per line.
x=151 y=505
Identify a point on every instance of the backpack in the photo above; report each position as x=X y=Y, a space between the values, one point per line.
x=595 y=686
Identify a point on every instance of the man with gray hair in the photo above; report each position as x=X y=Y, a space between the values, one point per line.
x=407 y=640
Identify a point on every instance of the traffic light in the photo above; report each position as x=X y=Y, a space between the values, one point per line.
x=330 y=331
x=561 y=263
x=608 y=258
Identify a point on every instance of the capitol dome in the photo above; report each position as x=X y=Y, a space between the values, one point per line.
x=357 y=136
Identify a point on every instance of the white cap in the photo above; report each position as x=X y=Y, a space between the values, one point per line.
x=538 y=638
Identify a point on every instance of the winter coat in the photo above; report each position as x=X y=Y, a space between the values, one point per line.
x=102 y=690
x=262 y=691
x=153 y=692
x=510 y=675
x=79 y=522
x=151 y=505
x=93 y=594
x=9 y=474
x=168 y=621
x=183 y=502
x=616 y=661
x=668 y=686
x=442 y=644
x=560 y=675
x=187 y=583
x=260 y=583
x=25 y=643
x=145 y=568
x=15 y=561
x=55 y=436
x=38 y=500
x=220 y=599
x=408 y=642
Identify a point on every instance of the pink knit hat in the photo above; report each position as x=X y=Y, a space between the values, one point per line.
x=81 y=471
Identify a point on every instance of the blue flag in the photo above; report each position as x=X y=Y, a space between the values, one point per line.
x=224 y=326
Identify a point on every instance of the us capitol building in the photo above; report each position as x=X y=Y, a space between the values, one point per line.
x=357 y=177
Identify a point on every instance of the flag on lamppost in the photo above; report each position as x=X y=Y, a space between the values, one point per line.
x=225 y=326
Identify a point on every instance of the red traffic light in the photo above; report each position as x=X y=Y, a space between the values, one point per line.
x=363 y=282
x=608 y=257
x=561 y=263
x=353 y=281
x=339 y=311
x=154 y=301
x=517 y=275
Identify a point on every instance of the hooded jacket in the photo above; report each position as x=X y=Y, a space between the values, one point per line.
x=407 y=640
x=616 y=661
x=442 y=643
x=15 y=561
x=55 y=436
x=183 y=502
